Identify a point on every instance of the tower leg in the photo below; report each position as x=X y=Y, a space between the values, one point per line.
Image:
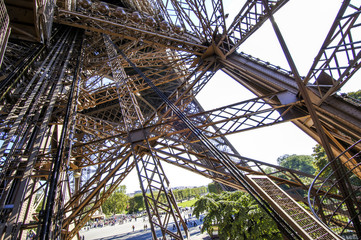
x=159 y=200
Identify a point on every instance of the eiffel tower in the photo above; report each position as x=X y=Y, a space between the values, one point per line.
x=91 y=90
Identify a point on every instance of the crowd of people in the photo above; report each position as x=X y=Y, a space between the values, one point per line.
x=102 y=221
x=139 y=223
x=111 y=221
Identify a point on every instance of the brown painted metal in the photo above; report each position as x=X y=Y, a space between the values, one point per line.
x=4 y=30
x=178 y=45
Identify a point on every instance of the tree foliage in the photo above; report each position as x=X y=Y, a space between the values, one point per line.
x=136 y=203
x=117 y=202
x=237 y=216
x=320 y=159
x=186 y=194
x=214 y=187
x=303 y=163
x=355 y=95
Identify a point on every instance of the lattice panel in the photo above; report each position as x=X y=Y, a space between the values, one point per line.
x=4 y=29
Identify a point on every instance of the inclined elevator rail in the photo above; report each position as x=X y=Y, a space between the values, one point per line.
x=18 y=119
x=29 y=122
x=49 y=221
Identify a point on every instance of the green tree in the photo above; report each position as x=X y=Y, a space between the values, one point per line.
x=303 y=163
x=117 y=202
x=136 y=203
x=320 y=159
x=356 y=95
x=237 y=216
x=187 y=193
x=214 y=187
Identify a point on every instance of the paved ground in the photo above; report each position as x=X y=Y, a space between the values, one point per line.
x=125 y=231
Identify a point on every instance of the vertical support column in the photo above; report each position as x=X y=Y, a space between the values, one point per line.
x=30 y=123
x=159 y=200
x=51 y=225
x=154 y=184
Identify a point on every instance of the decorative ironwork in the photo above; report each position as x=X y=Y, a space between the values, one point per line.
x=340 y=54
x=335 y=212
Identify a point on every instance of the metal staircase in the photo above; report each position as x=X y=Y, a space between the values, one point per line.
x=302 y=221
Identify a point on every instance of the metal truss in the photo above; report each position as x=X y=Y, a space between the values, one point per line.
x=31 y=134
x=74 y=122
x=153 y=181
x=4 y=30
x=249 y=72
x=87 y=198
x=248 y=20
x=340 y=54
x=333 y=211
x=91 y=19
x=202 y=18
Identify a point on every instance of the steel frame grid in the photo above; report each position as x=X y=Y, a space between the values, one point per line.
x=4 y=29
x=184 y=100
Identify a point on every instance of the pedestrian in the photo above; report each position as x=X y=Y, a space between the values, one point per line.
x=133 y=228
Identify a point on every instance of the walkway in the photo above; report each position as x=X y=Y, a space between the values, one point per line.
x=125 y=231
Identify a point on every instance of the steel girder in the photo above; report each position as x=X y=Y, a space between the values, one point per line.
x=179 y=45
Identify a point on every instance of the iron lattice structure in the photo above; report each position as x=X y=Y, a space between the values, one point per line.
x=91 y=90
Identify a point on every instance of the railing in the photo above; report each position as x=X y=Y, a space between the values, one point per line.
x=339 y=177
x=301 y=220
x=4 y=29
x=267 y=64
